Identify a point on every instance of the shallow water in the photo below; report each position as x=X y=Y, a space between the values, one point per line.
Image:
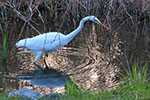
x=13 y=80
x=47 y=80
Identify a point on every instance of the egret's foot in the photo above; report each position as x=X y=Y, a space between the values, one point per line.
x=39 y=69
x=46 y=54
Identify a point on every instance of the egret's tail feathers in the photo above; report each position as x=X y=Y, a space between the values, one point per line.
x=22 y=43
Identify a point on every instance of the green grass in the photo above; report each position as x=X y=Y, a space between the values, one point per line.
x=134 y=87
x=4 y=57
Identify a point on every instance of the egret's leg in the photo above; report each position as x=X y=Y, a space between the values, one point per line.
x=39 y=69
x=38 y=55
x=45 y=61
x=46 y=54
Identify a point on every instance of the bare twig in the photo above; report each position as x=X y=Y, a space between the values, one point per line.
x=127 y=11
x=46 y=4
x=21 y=16
x=81 y=4
x=40 y=16
x=63 y=17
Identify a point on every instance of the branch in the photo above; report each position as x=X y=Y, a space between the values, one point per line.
x=21 y=16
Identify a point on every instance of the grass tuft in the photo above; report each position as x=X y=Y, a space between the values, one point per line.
x=73 y=90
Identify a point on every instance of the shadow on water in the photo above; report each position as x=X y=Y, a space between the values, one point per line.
x=49 y=78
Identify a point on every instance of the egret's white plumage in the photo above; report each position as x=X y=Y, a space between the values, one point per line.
x=52 y=41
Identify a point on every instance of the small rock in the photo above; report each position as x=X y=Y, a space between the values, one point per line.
x=26 y=94
x=53 y=96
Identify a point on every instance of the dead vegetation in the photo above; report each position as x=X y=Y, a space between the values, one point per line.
x=128 y=20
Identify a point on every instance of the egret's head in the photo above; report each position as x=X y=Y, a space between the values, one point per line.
x=96 y=20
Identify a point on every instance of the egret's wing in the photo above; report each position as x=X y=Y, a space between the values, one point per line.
x=45 y=42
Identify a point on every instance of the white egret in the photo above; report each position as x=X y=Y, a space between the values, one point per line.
x=52 y=41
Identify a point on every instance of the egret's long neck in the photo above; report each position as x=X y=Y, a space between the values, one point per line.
x=70 y=36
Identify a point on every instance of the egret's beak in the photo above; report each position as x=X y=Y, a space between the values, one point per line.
x=103 y=25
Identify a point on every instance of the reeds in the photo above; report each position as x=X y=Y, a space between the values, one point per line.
x=137 y=76
x=4 y=57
